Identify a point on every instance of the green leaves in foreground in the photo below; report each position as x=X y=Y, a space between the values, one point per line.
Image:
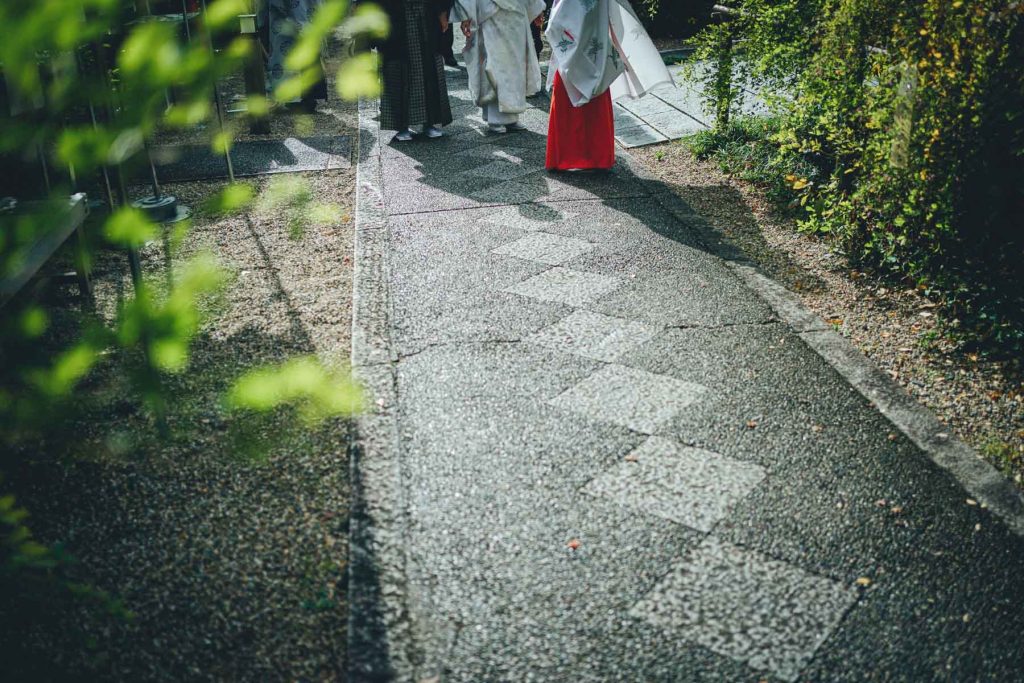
x=358 y=77
x=165 y=327
x=316 y=391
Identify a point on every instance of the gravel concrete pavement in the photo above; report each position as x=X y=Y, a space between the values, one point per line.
x=601 y=451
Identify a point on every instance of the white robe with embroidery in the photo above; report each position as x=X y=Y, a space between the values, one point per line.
x=500 y=58
x=598 y=45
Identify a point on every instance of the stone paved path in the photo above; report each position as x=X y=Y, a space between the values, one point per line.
x=596 y=453
x=671 y=112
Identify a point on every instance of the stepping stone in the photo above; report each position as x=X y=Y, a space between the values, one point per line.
x=769 y=614
x=176 y=163
x=632 y=398
x=646 y=105
x=639 y=136
x=624 y=119
x=690 y=486
x=674 y=124
x=544 y=247
x=596 y=336
x=566 y=286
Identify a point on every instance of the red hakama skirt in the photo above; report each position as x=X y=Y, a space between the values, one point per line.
x=580 y=137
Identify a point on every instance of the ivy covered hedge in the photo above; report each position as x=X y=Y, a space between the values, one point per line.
x=902 y=129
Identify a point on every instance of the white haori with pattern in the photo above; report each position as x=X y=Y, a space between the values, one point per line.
x=597 y=45
x=500 y=59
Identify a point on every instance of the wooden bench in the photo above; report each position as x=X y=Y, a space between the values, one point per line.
x=28 y=259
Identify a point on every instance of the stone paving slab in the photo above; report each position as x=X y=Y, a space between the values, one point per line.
x=595 y=336
x=690 y=486
x=671 y=112
x=748 y=607
x=600 y=452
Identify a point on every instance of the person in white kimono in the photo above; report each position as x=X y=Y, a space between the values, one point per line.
x=600 y=52
x=500 y=57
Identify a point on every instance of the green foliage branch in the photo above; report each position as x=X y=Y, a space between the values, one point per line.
x=102 y=74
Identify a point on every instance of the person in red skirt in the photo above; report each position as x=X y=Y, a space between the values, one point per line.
x=600 y=52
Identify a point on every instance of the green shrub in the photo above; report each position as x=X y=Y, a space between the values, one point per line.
x=748 y=149
x=912 y=118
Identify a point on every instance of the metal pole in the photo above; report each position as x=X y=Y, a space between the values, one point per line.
x=217 y=102
x=184 y=18
x=42 y=164
x=152 y=171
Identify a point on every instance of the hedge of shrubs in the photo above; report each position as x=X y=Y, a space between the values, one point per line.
x=907 y=120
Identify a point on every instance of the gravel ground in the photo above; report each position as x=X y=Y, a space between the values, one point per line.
x=981 y=400
x=228 y=540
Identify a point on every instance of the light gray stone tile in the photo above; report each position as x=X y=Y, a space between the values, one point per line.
x=625 y=119
x=674 y=124
x=769 y=614
x=690 y=486
x=639 y=136
x=633 y=398
x=567 y=286
x=596 y=336
x=645 y=105
x=544 y=247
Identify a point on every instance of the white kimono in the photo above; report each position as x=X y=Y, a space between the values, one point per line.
x=500 y=58
x=601 y=44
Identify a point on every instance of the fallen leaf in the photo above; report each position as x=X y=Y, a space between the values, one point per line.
x=751 y=424
x=891 y=437
x=818 y=428
x=632 y=457
x=881 y=502
x=863 y=581
x=967 y=618
x=971 y=502
x=573 y=544
x=896 y=509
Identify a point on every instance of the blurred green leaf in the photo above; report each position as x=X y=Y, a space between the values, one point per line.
x=34 y=322
x=129 y=227
x=358 y=77
x=68 y=368
x=231 y=199
x=127 y=144
x=368 y=20
x=151 y=50
x=317 y=392
x=291 y=89
x=184 y=114
x=221 y=14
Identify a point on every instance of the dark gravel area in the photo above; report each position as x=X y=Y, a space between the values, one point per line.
x=227 y=539
x=982 y=400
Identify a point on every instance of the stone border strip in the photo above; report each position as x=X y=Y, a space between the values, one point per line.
x=914 y=420
x=382 y=645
